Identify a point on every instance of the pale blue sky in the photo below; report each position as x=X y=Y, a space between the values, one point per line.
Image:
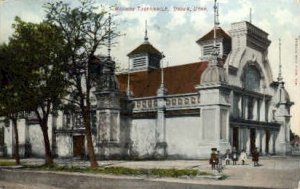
x=175 y=32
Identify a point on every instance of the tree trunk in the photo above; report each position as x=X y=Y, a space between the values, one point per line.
x=16 y=152
x=48 y=154
x=88 y=133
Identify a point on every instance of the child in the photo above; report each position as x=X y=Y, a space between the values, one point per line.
x=213 y=158
x=243 y=157
x=227 y=157
x=234 y=156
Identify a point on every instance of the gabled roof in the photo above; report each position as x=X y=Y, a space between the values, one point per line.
x=145 y=47
x=210 y=35
x=177 y=79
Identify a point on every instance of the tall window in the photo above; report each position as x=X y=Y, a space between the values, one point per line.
x=251 y=78
x=267 y=103
x=236 y=105
x=250 y=108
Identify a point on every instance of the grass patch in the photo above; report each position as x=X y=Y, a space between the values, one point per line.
x=123 y=171
x=7 y=162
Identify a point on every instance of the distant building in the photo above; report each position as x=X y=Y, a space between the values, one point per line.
x=226 y=100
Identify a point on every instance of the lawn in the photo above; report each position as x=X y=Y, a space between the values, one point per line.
x=7 y=162
x=123 y=171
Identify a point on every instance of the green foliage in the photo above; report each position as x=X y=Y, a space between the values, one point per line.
x=11 y=83
x=40 y=53
x=123 y=171
x=7 y=162
x=32 y=66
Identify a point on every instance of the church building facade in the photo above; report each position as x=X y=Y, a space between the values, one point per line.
x=227 y=100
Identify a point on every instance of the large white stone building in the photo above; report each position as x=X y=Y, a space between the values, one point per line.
x=181 y=112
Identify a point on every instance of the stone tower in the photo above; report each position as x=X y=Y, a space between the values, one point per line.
x=282 y=113
x=108 y=110
x=214 y=99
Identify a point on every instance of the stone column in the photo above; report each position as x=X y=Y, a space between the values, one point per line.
x=271 y=143
x=248 y=141
x=160 y=131
x=262 y=111
x=257 y=139
x=241 y=138
x=240 y=106
x=255 y=105
x=263 y=140
x=245 y=107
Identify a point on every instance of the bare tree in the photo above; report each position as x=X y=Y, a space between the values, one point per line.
x=86 y=29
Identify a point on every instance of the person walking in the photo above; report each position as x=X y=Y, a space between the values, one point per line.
x=255 y=157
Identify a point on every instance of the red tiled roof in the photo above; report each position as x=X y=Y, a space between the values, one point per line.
x=145 y=48
x=210 y=35
x=178 y=80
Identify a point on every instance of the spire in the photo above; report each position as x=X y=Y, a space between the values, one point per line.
x=162 y=72
x=216 y=22
x=215 y=52
x=215 y=72
x=279 y=71
x=146 y=32
x=109 y=35
x=250 y=15
x=162 y=81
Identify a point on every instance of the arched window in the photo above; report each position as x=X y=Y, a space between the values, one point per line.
x=251 y=80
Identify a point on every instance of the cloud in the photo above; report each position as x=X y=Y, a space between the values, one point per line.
x=178 y=19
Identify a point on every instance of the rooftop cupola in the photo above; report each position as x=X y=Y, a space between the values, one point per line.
x=223 y=43
x=145 y=56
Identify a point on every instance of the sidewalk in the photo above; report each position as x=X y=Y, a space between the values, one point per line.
x=274 y=172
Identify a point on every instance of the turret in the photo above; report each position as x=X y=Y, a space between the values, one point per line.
x=145 y=56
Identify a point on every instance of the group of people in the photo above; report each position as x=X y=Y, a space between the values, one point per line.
x=216 y=157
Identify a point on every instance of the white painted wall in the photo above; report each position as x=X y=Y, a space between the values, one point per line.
x=8 y=134
x=143 y=137
x=36 y=139
x=183 y=136
x=64 y=145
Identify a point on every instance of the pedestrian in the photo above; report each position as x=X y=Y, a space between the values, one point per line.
x=255 y=157
x=227 y=157
x=243 y=157
x=234 y=156
x=219 y=160
x=213 y=158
